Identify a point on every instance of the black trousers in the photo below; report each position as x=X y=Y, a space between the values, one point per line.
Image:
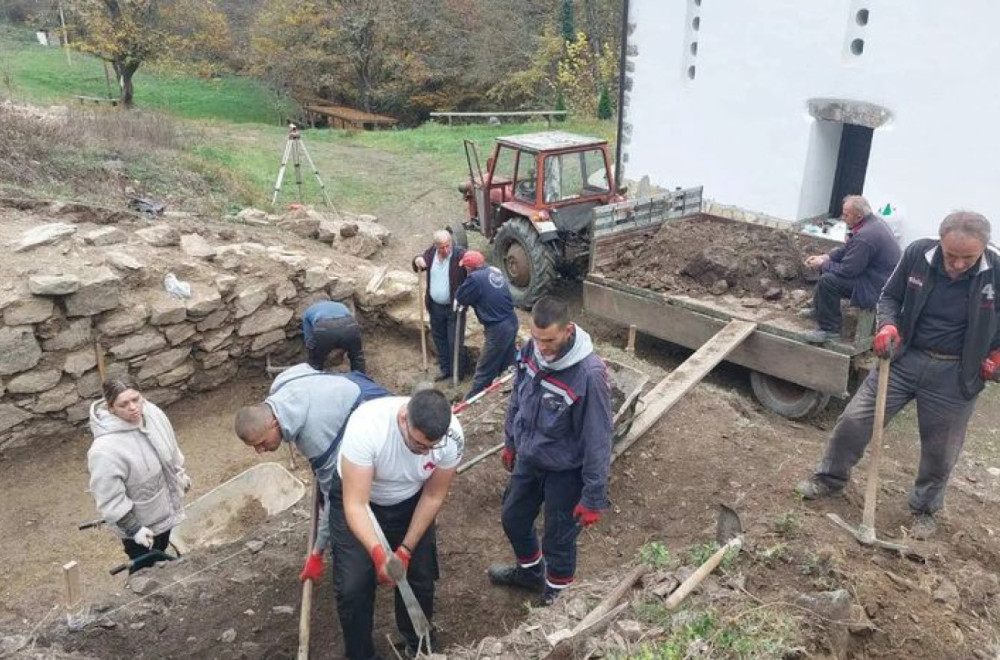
x=529 y=489
x=354 y=574
x=331 y=334
x=443 y=325
x=499 y=352
x=829 y=290
x=134 y=550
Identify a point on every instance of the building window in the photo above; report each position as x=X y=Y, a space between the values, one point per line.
x=697 y=3
x=691 y=72
x=861 y=17
x=858 y=46
x=696 y=23
x=694 y=47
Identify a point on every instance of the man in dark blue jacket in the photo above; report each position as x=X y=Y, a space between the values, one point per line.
x=487 y=292
x=557 y=447
x=938 y=322
x=858 y=270
x=444 y=276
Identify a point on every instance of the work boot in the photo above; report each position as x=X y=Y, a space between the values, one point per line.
x=548 y=597
x=820 y=336
x=807 y=313
x=923 y=526
x=442 y=376
x=516 y=576
x=814 y=488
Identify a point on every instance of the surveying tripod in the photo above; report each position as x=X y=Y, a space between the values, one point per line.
x=292 y=148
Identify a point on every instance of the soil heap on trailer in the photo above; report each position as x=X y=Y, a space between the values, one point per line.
x=682 y=275
x=535 y=202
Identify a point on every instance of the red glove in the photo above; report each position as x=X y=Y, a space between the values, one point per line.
x=887 y=341
x=586 y=517
x=313 y=569
x=990 y=369
x=508 y=456
x=404 y=556
x=380 y=559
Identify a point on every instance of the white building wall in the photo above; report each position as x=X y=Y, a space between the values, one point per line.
x=742 y=128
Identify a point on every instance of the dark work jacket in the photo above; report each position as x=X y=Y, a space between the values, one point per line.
x=456 y=273
x=562 y=420
x=487 y=292
x=868 y=257
x=906 y=292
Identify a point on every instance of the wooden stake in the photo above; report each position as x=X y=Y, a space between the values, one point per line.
x=99 y=355
x=630 y=346
x=71 y=574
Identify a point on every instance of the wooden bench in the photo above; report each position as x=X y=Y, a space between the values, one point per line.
x=547 y=114
x=96 y=99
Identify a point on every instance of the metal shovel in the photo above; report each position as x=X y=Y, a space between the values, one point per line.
x=729 y=534
x=395 y=570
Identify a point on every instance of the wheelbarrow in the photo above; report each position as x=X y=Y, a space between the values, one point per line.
x=231 y=510
x=626 y=386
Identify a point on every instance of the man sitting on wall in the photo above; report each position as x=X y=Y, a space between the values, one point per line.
x=857 y=271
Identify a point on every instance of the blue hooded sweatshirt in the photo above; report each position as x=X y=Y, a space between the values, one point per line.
x=560 y=415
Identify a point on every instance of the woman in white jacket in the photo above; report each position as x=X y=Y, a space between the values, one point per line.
x=137 y=472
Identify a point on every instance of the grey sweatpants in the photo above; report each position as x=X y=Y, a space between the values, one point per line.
x=942 y=416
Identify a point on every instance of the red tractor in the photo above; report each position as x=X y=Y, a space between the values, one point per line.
x=534 y=203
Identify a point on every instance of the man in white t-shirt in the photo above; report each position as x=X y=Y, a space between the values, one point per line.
x=399 y=455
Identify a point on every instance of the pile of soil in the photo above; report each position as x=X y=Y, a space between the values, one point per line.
x=710 y=255
x=247 y=518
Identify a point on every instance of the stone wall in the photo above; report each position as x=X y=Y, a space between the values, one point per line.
x=71 y=290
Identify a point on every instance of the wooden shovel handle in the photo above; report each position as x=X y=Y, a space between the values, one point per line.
x=305 y=614
x=878 y=426
x=696 y=578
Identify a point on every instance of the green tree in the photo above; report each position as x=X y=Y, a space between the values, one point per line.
x=604 y=107
x=566 y=20
x=130 y=33
x=560 y=105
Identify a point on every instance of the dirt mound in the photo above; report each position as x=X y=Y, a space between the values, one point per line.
x=709 y=255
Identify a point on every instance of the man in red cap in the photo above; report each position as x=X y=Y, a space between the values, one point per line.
x=486 y=291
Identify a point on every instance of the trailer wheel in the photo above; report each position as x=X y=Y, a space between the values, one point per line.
x=459 y=236
x=785 y=398
x=528 y=264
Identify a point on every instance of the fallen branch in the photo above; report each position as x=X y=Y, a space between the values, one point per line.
x=473 y=461
x=567 y=647
x=564 y=641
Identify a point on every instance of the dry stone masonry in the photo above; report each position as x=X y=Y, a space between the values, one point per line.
x=77 y=282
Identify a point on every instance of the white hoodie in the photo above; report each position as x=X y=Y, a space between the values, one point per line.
x=136 y=468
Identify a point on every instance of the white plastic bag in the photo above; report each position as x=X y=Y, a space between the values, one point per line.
x=176 y=287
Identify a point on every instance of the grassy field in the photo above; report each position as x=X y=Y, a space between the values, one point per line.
x=223 y=132
x=36 y=74
x=433 y=152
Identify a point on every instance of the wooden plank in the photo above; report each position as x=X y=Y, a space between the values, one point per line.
x=71 y=574
x=679 y=381
x=517 y=113
x=806 y=365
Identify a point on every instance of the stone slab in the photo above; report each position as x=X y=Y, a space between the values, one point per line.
x=19 y=350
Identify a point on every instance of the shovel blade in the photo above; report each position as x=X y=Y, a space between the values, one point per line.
x=727 y=525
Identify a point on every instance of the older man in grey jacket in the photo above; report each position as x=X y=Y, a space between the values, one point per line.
x=309 y=409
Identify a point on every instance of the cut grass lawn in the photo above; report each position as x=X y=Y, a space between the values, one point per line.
x=37 y=74
x=237 y=144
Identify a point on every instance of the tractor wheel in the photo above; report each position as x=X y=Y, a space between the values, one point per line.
x=785 y=398
x=528 y=264
x=458 y=235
